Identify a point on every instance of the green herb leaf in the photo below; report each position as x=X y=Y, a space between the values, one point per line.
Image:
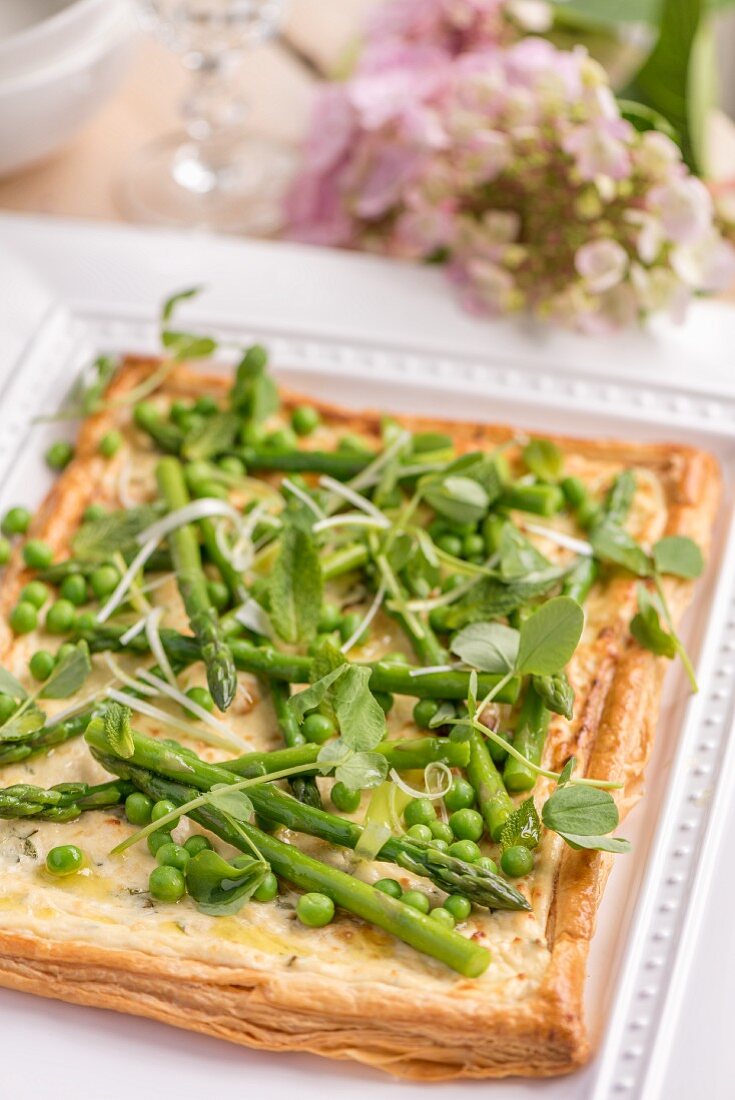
x=254 y=394
x=619 y=496
x=235 y=803
x=116 y=721
x=549 y=637
x=567 y=771
x=360 y=717
x=544 y=459
x=69 y=674
x=316 y=693
x=296 y=581
x=10 y=686
x=489 y=647
x=460 y=499
x=443 y=714
x=615 y=844
x=522 y=827
x=15 y=729
x=615 y=546
x=332 y=754
x=169 y=306
x=582 y=811
x=479 y=467
x=491 y=597
x=215 y=435
x=556 y=692
x=647 y=630
x=98 y=539
x=187 y=345
x=518 y=556
x=361 y=771
x=220 y=888
x=679 y=556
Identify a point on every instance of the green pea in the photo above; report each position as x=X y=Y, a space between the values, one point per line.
x=318 y=728
x=466 y=824
x=442 y=916
x=231 y=464
x=206 y=405
x=460 y=796
x=424 y=711
x=588 y=513
x=74 y=589
x=138 y=808
x=420 y=832
x=94 y=512
x=59 y=454
x=173 y=855
x=304 y=419
x=330 y=617
x=60 y=617
x=315 y=910
x=487 y=864
x=5 y=551
x=349 y=624
x=353 y=444
x=437 y=528
x=473 y=546
x=104 y=581
x=441 y=831
x=178 y=410
x=252 y=434
x=155 y=840
x=450 y=544
x=574 y=490
x=344 y=798
x=16 y=521
x=517 y=861
x=390 y=887
x=196 y=844
x=439 y=845
x=219 y=595
x=419 y=811
x=7 y=707
x=268 y=888
x=65 y=650
x=166 y=884
x=161 y=808
x=466 y=850
x=459 y=906
x=110 y=443
x=23 y=618
x=453 y=580
x=64 y=860
x=283 y=439
x=36 y=592
x=37 y=554
x=385 y=700
x=211 y=488
x=417 y=900
x=202 y=698
x=41 y=664
x=86 y=622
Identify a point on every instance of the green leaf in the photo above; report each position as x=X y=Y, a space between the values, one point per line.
x=619 y=496
x=489 y=647
x=254 y=394
x=615 y=546
x=118 y=730
x=647 y=630
x=361 y=771
x=492 y=597
x=556 y=692
x=220 y=888
x=567 y=771
x=187 y=345
x=544 y=459
x=215 y=435
x=615 y=844
x=459 y=499
x=582 y=811
x=645 y=118
x=612 y=12
x=518 y=556
x=98 y=539
x=15 y=729
x=10 y=686
x=679 y=556
x=522 y=827
x=69 y=674
x=550 y=636
x=169 y=306
x=235 y=803
x=444 y=712
x=360 y=717
x=480 y=467
x=332 y=754
x=296 y=582
x=316 y=693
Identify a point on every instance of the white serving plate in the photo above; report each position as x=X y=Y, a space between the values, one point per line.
x=364 y=331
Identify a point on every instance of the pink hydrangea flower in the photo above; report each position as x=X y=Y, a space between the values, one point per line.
x=508 y=160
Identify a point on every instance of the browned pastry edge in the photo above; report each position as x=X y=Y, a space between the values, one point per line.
x=424 y=1038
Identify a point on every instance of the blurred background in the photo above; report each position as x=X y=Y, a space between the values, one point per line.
x=138 y=108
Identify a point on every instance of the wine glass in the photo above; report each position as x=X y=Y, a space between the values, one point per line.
x=214 y=173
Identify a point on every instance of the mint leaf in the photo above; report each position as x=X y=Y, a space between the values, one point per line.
x=679 y=556
x=549 y=637
x=118 y=731
x=614 y=546
x=479 y=467
x=215 y=435
x=522 y=827
x=492 y=597
x=296 y=581
x=544 y=459
x=459 y=499
x=556 y=693
x=581 y=811
x=359 y=715
x=99 y=539
x=69 y=674
x=489 y=647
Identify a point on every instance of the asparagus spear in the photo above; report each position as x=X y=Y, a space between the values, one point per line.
x=411 y=754
x=543 y=500
x=344 y=560
x=492 y=797
x=303 y=786
x=62 y=803
x=159 y=562
x=447 y=872
x=530 y=735
x=288 y=862
x=204 y=621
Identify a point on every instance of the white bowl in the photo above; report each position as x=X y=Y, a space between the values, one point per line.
x=56 y=73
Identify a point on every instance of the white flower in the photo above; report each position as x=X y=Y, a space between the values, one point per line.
x=685 y=208
x=602 y=264
x=708 y=264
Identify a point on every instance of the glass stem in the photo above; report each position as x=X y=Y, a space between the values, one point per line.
x=211 y=105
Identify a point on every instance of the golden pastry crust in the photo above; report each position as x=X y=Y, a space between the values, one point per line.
x=430 y=1037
